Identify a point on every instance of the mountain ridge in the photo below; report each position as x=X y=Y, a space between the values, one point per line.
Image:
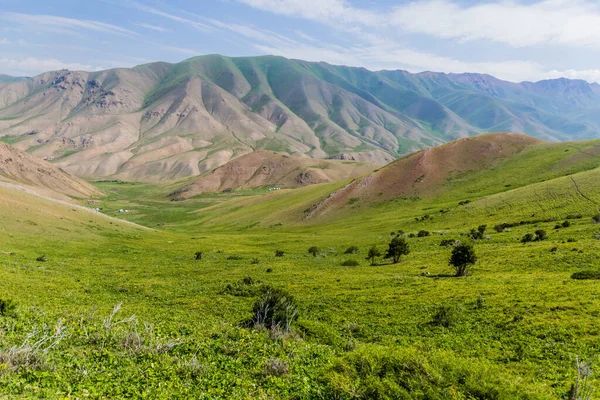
x=163 y=121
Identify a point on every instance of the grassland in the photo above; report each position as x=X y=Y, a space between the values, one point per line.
x=512 y=329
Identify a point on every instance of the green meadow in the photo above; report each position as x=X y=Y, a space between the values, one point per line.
x=105 y=309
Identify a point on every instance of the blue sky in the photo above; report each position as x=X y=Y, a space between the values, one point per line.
x=513 y=40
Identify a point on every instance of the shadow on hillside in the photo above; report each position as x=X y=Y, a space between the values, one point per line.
x=437 y=276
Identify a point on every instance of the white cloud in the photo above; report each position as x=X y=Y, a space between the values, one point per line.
x=558 y=22
x=152 y=27
x=590 y=75
x=4 y=41
x=62 y=24
x=32 y=66
x=555 y=22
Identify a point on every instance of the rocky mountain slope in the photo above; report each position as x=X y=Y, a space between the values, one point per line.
x=40 y=176
x=262 y=168
x=167 y=121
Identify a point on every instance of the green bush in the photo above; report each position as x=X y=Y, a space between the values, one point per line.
x=445 y=316
x=351 y=250
x=198 y=255
x=449 y=242
x=596 y=219
x=247 y=287
x=584 y=275
x=314 y=250
x=275 y=309
x=41 y=259
x=350 y=263
x=530 y=237
x=279 y=253
x=423 y=233
x=7 y=306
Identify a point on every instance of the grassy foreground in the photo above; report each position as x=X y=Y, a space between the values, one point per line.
x=116 y=311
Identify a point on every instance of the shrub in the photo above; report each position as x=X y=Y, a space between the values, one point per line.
x=540 y=235
x=276 y=368
x=350 y=263
x=449 y=242
x=571 y=240
x=255 y=261
x=477 y=234
x=279 y=253
x=574 y=216
x=246 y=287
x=445 y=316
x=530 y=237
x=397 y=248
x=462 y=257
x=235 y=257
x=314 y=250
x=269 y=270
x=7 y=306
x=596 y=219
x=423 y=233
x=590 y=274
x=276 y=309
x=373 y=254
x=198 y=255
x=566 y=224
x=351 y=250
x=41 y=259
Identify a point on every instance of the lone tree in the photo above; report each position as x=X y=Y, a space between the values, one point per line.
x=462 y=257
x=373 y=254
x=314 y=250
x=397 y=248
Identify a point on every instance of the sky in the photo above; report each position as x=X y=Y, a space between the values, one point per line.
x=514 y=40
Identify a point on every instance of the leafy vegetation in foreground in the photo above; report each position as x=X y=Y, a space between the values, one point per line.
x=115 y=311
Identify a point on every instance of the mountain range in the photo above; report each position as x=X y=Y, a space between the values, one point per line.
x=164 y=121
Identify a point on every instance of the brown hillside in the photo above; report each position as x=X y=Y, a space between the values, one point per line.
x=424 y=172
x=262 y=168
x=41 y=176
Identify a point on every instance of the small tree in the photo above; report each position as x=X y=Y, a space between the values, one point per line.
x=462 y=257
x=596 y=219
x=198 y=255
x=314 y=250
x=373 y=254
x=397 y=248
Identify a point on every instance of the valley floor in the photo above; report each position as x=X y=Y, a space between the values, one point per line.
x=108 y=310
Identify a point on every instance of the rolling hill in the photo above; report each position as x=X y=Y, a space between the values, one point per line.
x=262 y=168
x=431 y=179
x=165 y=121
x=40 y=176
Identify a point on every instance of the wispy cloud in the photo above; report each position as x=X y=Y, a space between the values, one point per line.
x=155 y=28
x=32 y=66
x=194 y=24
x=181 y=50
x=66 y=25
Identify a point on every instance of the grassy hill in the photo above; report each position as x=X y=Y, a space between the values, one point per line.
x=511 y=329
x=164 y=122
